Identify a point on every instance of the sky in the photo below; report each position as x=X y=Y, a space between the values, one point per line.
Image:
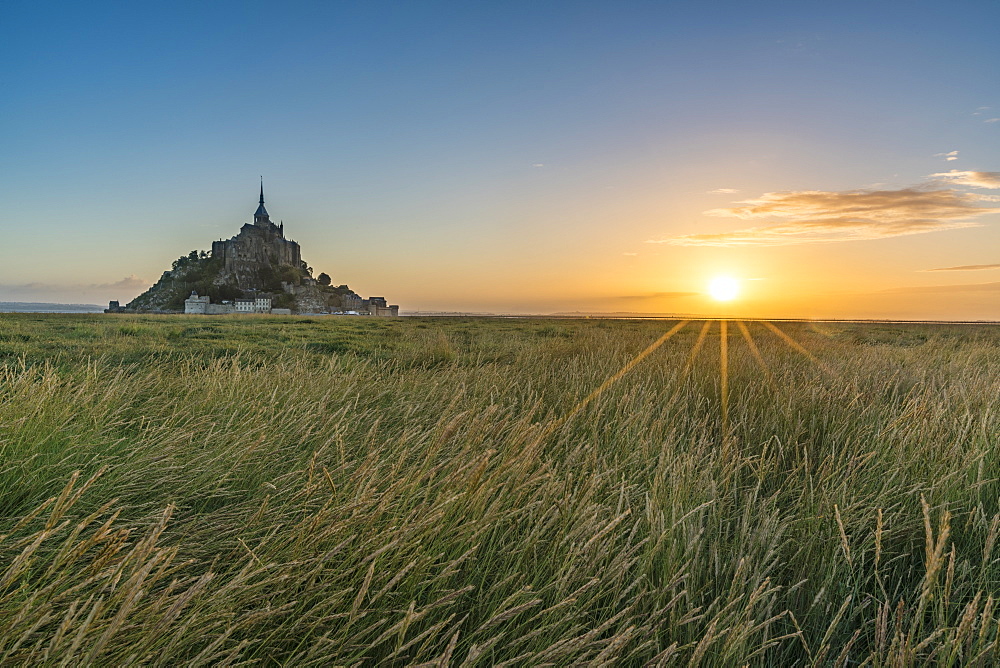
x=840 y=160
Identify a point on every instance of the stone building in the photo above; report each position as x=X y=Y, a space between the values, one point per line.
x=196 y=304
x=378 y=306
x=260 y=244
x=351 y=302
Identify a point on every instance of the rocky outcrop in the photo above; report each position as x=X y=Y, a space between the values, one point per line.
x=196 y=272
x=312 y=298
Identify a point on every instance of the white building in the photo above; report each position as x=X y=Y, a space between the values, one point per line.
x=244 y=305
x=260 y=304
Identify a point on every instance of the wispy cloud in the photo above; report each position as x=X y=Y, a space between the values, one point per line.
x=964 y=287
x=630 y=254
x=815 y=216
x=951 y=155
x=661 y=295
x=974 y=179
x=40 y=291
x=992 y=120
x=723 y=191
x=967 y=267
x=130 y=282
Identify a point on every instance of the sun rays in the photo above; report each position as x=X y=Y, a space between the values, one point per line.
x=679 y=382
x=796 y=346
x=617 y=376
x=724 y=374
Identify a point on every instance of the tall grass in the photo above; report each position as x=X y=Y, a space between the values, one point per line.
x=179 y=490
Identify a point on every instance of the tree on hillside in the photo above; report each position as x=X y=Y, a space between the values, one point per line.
x=324 y=279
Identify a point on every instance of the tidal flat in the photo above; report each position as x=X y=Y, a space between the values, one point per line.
x=191 y=490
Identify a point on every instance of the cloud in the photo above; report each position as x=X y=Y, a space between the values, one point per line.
x=130 y=282
x=661 y=295
x=967 y=267
x=538 y=164
x=963 y=287
x=630 y=254
x=974 y=179
x=992 y=120
x=723 y=191
x=815 y=216
x=130 y=285
x=951 y=155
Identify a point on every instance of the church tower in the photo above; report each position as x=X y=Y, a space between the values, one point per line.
x=260 y=217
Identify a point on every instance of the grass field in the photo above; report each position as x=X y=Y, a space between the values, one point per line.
x=356 y=491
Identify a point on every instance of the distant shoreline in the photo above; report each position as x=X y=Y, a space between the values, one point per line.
x=43 y=307
x=689 y=316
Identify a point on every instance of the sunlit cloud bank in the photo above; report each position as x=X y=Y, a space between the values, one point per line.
x=965 y=287
x=815 y=216
x=967 y=267
x=974 y=179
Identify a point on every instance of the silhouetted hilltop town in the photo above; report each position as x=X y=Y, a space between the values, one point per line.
x=256 y=271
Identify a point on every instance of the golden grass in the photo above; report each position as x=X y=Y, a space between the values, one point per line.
x=194 y=491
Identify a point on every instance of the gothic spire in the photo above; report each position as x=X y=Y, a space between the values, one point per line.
x=261 y=214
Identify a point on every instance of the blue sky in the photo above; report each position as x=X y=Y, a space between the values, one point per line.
x=501 y=156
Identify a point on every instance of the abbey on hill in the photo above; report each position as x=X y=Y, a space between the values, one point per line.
x=258 y=265
x=259 y=244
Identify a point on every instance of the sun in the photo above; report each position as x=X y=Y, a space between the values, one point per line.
x=724 y=288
